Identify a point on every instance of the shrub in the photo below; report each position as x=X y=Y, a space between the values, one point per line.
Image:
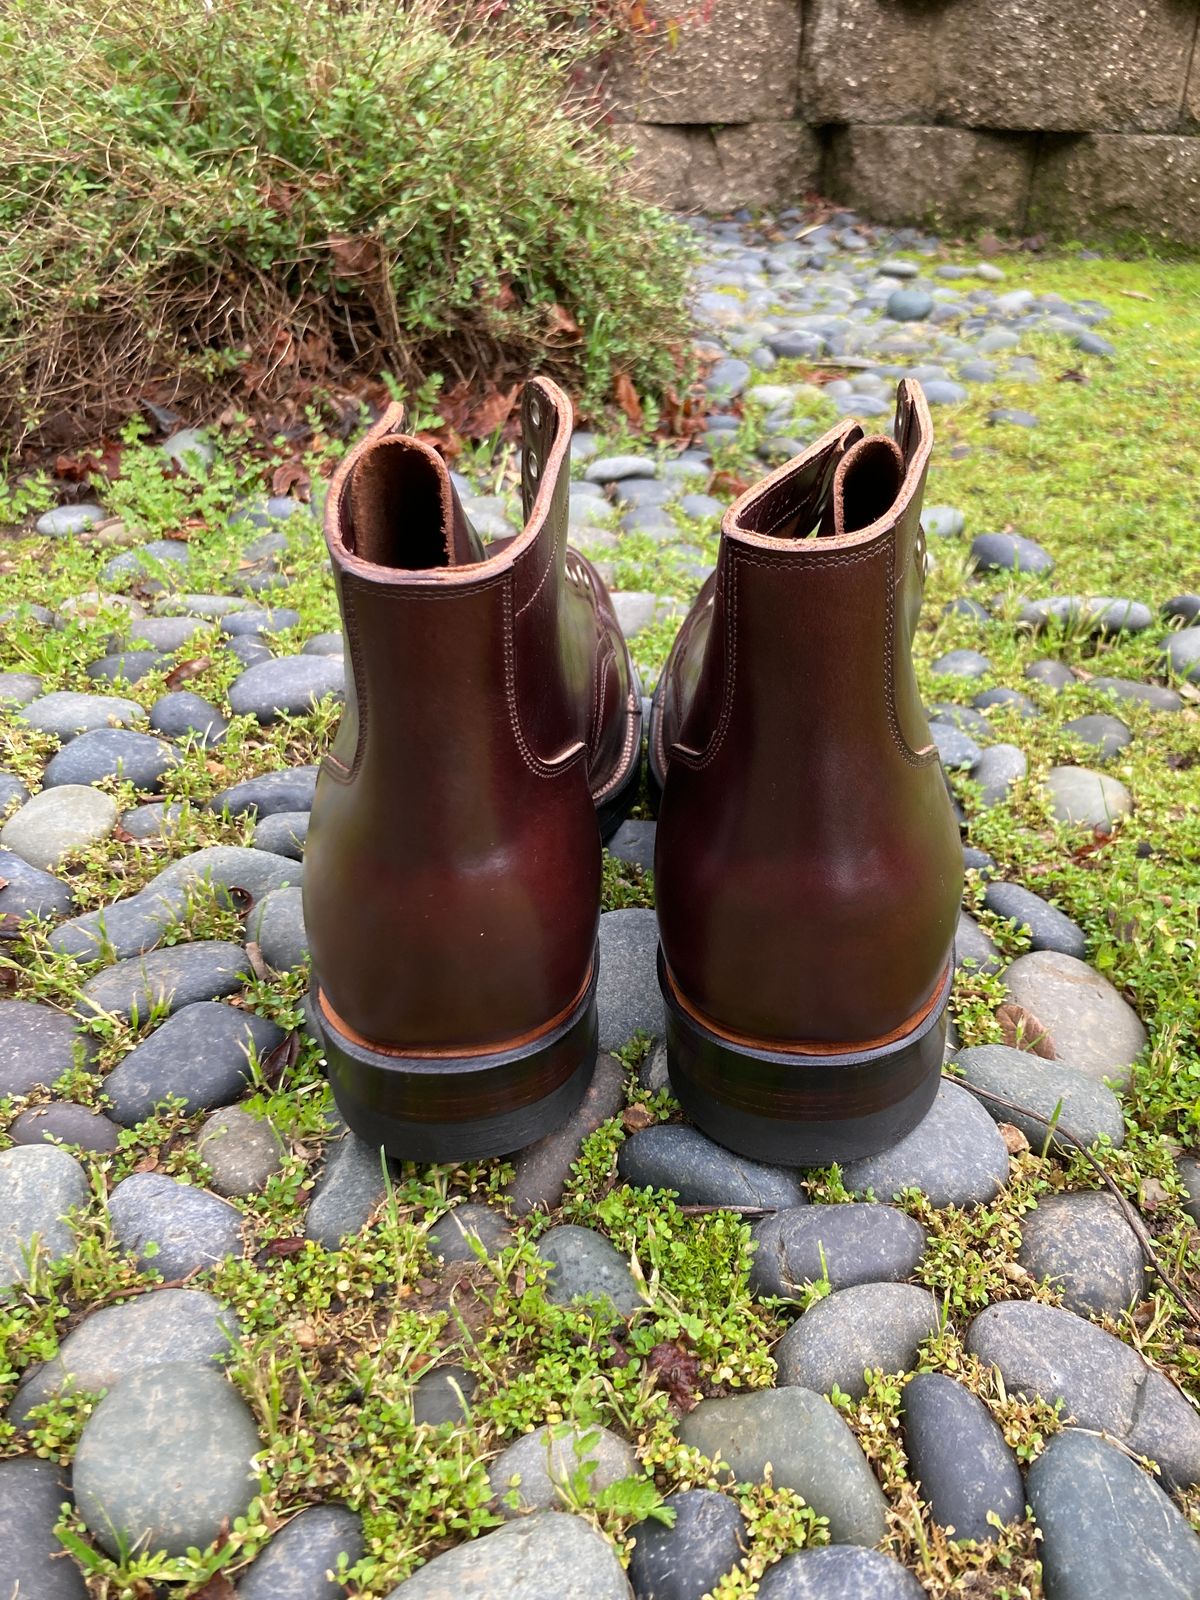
x=213 y=197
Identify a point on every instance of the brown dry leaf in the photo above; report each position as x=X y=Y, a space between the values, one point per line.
x=626 y=397
x=218 y=1587
x=1015 y=1141
x=279 y=1060
x=634 y=1118
x=563 y=323
x=676 y=1370
x=288 y=477
x=187 y=670
x=3 y=883
x=10 y=926
x=1152 y=1194
x=149 y=1162
x=258 y=965
x=355 y=255
x=286 y=1247
x=1023 y=1031
x=1135 y=294
x=306 y=1336
x=492 y=412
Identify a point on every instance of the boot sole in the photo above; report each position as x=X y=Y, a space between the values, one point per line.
x=799 y=1110
x=461 y=1108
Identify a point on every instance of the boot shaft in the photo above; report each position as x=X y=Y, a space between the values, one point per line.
x=453 y=861
x=808 y=865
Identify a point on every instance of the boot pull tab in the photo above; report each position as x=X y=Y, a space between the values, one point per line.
x=866 y=484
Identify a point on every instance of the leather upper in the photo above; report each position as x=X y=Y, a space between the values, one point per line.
x=453 y=860
x=808 y=866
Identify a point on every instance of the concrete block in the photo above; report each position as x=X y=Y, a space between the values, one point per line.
x=732 y=61
x=1110 y=184
x=1065 y=65
x=950 y=176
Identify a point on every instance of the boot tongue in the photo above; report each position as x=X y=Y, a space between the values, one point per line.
x=405 y=512
x=865 y=485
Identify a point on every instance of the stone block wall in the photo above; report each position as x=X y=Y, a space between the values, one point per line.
x=1071 y=117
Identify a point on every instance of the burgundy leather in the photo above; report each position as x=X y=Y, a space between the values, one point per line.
x=808 y=867
x=452 y=867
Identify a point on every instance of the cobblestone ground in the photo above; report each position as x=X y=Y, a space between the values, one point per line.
x=241 y=1354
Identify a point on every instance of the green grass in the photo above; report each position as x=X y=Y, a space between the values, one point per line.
x=335 y=1340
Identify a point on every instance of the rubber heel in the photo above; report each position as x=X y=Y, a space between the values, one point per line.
x=800 y=1110
x=460 y=1108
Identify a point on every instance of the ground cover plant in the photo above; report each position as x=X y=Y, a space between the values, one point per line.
x=253 y=199
x=335 y=1338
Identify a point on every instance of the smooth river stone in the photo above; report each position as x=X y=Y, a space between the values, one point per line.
x=550 y=1555
x=850 y=1244
x=151 y=1330
x=1086 y=1022
x=809 y=1448
x=1107 y=1528
x=853 y=1331
x=1103 y=1384
x=190 y=1473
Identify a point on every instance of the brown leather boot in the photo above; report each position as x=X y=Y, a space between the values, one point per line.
x=452 y=869
x=808 y=867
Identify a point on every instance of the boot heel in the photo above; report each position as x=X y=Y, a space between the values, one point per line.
x=460 y=1108
x=802 y=1110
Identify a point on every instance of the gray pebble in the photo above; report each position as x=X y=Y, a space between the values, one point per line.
x=1083 y=1245
x=64 y=1123
x=585 y=1264
x=999 y=767
x=31 y=1493
x=181 y=714
x=544 y=1167
x=541 y=1467
x=849 y=1243
x=290 y=684
x=290 y=790
x=1103 y=1384
x=295 y=1561
x=954 y=1155
x=456 y=1234
x=685 y=1162
x=1072 y=1100
x=808 y=1446
x=1009 y=552
x=685 y=1561
x=37 y=1045
x=958 y=1457
x=350 y=1188
x=190 y=1475
x=1082 y=798
x=852 y=1331
x=170 y=978
x=443 y=1395
x=533 y=1558
x=30 y=892
x=57 y=822
x=150 y=1330
x=276 y=925
x=242 y=1152
x=628 y=996
x=1049 y=928
x=39 y=1185
x=138 y=758
x=838 y=1572
x=172 y=1227
x=1107 y=1528
x=1086 y=1021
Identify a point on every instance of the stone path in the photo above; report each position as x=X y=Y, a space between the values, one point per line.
x=1004 y=1274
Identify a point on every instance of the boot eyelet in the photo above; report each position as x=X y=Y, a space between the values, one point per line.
x=531 y=463
x=535 y=414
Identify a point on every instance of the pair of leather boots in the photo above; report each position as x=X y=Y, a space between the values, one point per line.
x=807 y=866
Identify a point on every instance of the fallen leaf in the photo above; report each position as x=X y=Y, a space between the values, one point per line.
x=258 y=965
x=1015 y=1141
x=562 y=322
x=149 y=1162
x=288 y=477
x=1135 y=294
x=218 y=1587
x=286 y=1247
x=675 y=1369
x=10 y=927
x=1023 y=1031
x=626 y=397
x=277 y=1061
x=634 y=1118
x=1152 y=1194
x=355 y=255
x=187 y=670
